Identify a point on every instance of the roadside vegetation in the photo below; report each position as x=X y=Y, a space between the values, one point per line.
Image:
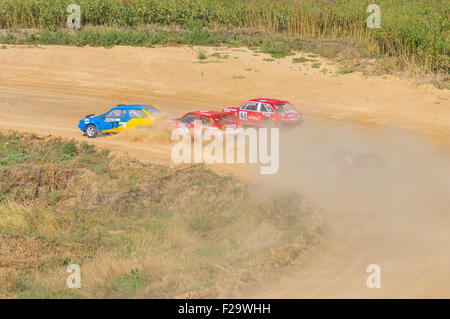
x=414 y=34
x=135 y=229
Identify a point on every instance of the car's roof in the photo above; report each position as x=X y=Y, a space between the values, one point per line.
x=270 y=101
x=131 y=106
x=208 y=113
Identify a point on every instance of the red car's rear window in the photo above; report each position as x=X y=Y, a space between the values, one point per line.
x=285 y=107
x=224 y=119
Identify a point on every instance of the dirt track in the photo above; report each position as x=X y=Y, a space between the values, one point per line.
x=402 y=227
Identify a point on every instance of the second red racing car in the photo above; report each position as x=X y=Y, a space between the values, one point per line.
x=266 y=112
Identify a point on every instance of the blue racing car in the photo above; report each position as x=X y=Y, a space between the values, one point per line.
x=119 y=118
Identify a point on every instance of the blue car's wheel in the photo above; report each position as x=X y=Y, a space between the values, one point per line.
x=91 y=131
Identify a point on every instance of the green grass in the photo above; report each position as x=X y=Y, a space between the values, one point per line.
x=300 y=60
x=128 y=284
x=275 y=45
x=277 y=49
x=202 y=55
x=220 y=56
x=136 y=229
x=345 y=70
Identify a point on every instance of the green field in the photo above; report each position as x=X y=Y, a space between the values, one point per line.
x=415 y=32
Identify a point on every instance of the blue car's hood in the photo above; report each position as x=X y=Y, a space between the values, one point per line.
x=89 y=119
x=92 y=117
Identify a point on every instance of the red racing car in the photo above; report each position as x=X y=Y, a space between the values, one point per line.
x=220 y=121
x=266 y=112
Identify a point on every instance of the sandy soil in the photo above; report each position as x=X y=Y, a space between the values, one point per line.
x=400 y=222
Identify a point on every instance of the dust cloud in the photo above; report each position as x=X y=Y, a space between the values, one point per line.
x=395 y=213
x=158 y=133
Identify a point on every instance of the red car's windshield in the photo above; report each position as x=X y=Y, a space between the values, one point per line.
x=285 y=107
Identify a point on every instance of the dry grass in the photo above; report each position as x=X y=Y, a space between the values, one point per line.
x=136 y=229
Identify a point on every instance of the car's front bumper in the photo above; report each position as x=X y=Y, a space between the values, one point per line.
x=82 y=126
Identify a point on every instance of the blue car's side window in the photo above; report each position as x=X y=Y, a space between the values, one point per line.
x=113 y=118
x=136 y=114
x=116 y=114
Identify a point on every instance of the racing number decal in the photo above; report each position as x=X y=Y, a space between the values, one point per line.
x=243 y=115
x=118 y=123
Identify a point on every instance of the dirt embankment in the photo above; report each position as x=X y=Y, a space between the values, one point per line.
x=398 y=220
